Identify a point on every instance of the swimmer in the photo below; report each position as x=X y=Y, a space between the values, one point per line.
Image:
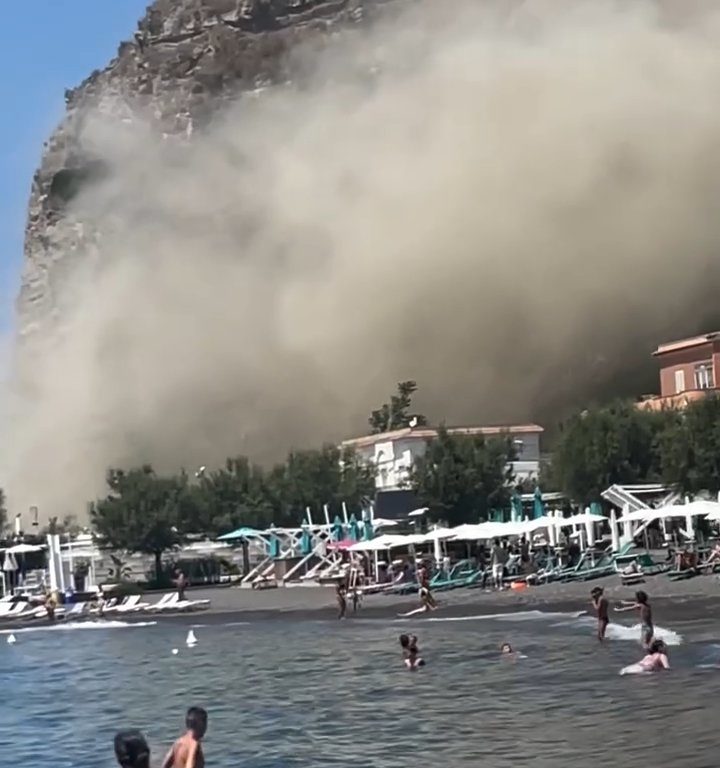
x=187 y=752
x=506 y=649
x=600 y=604
x=131 y=750
x=411 y=653
x=657 y=657
x=340 y=596
x=642 y=604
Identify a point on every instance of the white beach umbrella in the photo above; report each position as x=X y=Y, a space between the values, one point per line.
x=381 y=522
x=21 y=549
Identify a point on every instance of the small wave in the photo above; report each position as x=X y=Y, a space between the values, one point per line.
x=623 y=632
x=71 y=625
x=519 y=616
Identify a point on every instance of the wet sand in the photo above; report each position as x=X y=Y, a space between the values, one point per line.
x=696 y=598
x=699 y=595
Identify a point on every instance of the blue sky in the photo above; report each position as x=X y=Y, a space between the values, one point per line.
x=45 y=47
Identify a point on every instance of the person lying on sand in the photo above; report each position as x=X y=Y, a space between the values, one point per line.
x=131 y=750
x=411 y=653
x=600 y=604
x=187 y=752
x=642 y=604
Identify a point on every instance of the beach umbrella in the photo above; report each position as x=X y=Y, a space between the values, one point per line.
x=306 y=541
x=381 y=522
x=516 y=509
x=538 y=506
x=367 y=529
x=614 y=531
x=337 y=529
x=353 y=528
x=21 y=549
x=240 y=533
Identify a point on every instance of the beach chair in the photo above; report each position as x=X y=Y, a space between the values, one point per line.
x=131 y=605
x=167 y=598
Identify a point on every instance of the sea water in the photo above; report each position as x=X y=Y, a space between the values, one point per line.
x=293 y=692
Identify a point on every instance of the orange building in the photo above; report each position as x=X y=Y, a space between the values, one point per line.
x=689 y=369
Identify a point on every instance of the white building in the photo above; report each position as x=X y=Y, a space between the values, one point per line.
x=393 y=453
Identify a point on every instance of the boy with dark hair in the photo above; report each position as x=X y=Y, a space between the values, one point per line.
x=187 y=752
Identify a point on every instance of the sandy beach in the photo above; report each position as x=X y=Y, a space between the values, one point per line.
x=683 y=599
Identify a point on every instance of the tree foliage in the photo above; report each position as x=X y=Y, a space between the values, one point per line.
x=396 y=414
x=617 y=443
x=142 y=512
x=689 y=447
x=462 y=478
x=620 y=443
x=148 y=513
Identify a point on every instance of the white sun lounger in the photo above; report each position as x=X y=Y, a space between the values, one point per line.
x=175 y=604
x=132 y=605
x=163 y=602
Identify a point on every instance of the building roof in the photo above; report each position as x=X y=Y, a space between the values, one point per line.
x=693 y=341
x=427 y=433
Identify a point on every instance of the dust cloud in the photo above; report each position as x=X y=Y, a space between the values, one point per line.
x=509 y=202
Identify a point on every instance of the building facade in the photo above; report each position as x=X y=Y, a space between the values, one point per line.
x=689 y=370
x=393 y=453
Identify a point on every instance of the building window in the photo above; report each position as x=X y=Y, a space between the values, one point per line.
x=704 y=378
x=679 y=381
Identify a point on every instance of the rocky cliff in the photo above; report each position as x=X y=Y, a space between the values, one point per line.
x=187 y=58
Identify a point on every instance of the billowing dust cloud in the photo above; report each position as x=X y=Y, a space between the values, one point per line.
x=511 y=206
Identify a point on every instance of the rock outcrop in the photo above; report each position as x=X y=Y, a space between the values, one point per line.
x=187 y=58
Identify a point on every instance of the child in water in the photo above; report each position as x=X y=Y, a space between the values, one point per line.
x=187 y=751
x=411 y=653
x=131 y=750
x=642 y=604
x=657 y=657
x=600 y=604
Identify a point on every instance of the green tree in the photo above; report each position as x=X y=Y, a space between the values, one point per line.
x=462 y=477
x=690 y=447
x=142 y=513
x=238 y=494
x=313 y=478
x=396 y=414
x=618 y=443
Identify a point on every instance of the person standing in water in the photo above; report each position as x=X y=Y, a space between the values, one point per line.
x=641 y=604
x=340 y=596
x=600 y=604
x=187 y=752
x=411 y=653
x=427 y=601
x=131 y=750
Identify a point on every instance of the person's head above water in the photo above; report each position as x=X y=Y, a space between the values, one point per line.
x=506 y=648
x=641 y=597
x=196 y=721
x=131 y=750
x=404 y=640
x=657 y=646
x=596 y=592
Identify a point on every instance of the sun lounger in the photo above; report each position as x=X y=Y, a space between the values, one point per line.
x=164 y=602
x=131 y=604
x=173 y=603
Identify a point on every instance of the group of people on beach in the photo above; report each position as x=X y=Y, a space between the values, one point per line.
x=132 y=750
x=656 y=657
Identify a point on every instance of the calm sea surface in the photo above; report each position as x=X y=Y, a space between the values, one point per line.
x=309 y=693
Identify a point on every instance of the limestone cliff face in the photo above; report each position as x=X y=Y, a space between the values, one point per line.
x=187 y=58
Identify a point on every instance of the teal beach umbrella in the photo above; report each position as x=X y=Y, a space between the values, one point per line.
x=306 y=541
x=538 y=506
x=367 y=529
x=353 y=528
x=516 y=507
x=337 y=529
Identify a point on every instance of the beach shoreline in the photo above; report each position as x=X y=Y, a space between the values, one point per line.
x=698 y=597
